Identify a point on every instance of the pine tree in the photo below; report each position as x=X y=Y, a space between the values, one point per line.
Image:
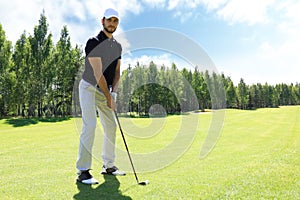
x=7 y=76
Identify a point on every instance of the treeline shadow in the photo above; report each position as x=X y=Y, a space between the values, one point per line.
x=125 y=115
x=19 y=122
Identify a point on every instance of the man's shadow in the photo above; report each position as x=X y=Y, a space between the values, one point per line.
x=109 y=189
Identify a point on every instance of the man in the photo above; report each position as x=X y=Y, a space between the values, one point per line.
x=97 y=91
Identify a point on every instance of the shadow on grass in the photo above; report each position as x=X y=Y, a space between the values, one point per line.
x=124 y=115
x=109 y=189
x=18 y=122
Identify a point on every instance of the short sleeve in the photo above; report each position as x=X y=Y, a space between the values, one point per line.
x=120 y=51
x=90 y=45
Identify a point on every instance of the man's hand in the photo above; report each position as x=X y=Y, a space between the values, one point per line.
x=111 y=103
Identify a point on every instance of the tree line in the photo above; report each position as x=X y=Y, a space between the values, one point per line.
x=160 y=87
x=36 y=76
x=40 y=79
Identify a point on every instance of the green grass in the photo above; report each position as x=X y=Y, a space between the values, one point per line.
x=256 y=157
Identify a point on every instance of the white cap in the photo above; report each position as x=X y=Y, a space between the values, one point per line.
x=111 y=13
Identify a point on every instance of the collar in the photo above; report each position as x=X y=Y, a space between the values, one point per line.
x=102 y=36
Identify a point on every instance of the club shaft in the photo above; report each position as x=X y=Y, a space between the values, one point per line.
x=116 y=115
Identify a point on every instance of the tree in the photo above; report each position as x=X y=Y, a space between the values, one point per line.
x=138 y=78
x=297 y=92
x=21 y=67
x=63 y=75
x=209 y=86
x=231 y=94
x=218 y=91
x=76 y=72
x=243 y=94
x=41 y=46
x=200 y=87
x=149 y=93
x=7 y=76
x=175 y=89
x=188 y=92
x=124 y=93
x=164 y=92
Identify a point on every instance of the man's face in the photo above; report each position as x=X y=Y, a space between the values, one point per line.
x=110 y=24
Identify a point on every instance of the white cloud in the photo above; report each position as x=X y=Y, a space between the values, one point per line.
x=272 y=62
x=155 y=3
x=159 y=60
x=290 y=24
x=81 y=17
x=173 y=4
x=77 y=7
x=291 y=9
x=283 y=55
x=287 y=54
x=184 y=16
x=15 y=20
x=213 y=5
x=165 y=59
x=282 y=58
x=183 y=9
x=232 y=11
x=275 y=59
x=248 y=11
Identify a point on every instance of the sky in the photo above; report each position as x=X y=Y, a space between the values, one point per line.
x=257 y=40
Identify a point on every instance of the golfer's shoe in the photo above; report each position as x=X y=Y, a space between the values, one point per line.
x=86 y=178
x=112 y=171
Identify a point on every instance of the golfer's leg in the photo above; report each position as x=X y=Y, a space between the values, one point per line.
x=89 y=119
x=109 y=127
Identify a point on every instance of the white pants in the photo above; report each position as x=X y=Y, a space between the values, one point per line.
x=92 y=100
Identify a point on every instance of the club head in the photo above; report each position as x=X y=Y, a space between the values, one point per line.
x=146 y=182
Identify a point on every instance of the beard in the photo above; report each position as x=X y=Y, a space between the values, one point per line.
x=112 y=30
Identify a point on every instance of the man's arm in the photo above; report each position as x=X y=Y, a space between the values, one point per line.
x=117 y=77
x=101 y=81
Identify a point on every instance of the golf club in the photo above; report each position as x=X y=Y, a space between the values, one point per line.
x=136 y=178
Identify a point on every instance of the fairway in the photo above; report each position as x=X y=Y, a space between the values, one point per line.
x=256 y=157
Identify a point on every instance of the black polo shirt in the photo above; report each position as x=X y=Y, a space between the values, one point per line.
x=109 y=50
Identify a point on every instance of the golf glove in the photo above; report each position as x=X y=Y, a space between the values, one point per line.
x=114 y=96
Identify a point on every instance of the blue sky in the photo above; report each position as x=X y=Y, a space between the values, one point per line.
x=255 y=40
